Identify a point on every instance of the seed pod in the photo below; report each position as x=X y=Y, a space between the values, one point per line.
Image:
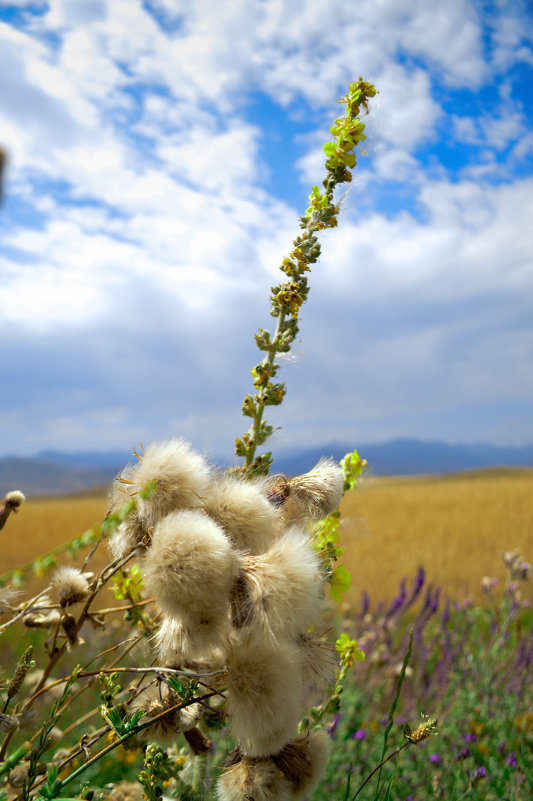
x=22 y=668
x=8 y=723
x=70 y=628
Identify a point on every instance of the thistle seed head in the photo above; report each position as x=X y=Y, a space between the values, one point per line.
x=177 y=475
x=71 y=586
x=241 y=508
x=281 y=590
x=190 y=567
x=157 y=699
x=315 y=494
x=264 y=689
x=247 y=777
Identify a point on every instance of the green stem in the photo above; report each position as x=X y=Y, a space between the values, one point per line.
x=378 y=767
x=256 y=425
x=14 y=759
x=125 y=737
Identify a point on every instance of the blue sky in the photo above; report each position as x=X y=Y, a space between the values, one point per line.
x=160 y=154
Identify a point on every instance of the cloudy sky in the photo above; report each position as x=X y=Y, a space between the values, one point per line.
x=160 y=154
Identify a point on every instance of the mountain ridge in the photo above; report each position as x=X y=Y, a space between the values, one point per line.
x=52 y=473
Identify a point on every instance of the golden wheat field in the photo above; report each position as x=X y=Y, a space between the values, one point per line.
x=455 y=526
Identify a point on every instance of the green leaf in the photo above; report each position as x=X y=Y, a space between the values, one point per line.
x=340 y=582
x=352 y=465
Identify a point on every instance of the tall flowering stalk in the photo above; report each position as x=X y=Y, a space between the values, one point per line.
x=288 y=297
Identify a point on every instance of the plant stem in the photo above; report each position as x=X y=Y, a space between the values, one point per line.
x=134 y=731
x=256 y=425
x=378 y=767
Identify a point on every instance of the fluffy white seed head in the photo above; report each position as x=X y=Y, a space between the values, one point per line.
x=8 y=596
x=251 y=523
x=182 y=645
x=314 y=495
x=303 y=761
x=71 y=585
x=281 y=591
x=245 y=777
x=286 y=776
x=158 y=698
x=264 y=694
x=126 y=536
x=190 y=569
x=14 y=499
x=319 y=660
x=180 y=476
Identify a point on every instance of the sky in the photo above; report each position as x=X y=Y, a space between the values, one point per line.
x=160 y=154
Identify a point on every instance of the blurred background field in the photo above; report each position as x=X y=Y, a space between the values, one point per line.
x=455 y=526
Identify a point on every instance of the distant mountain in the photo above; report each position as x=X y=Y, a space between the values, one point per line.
x=113 y=460
x=34 y=476
x=57 y=473
x=410 y=456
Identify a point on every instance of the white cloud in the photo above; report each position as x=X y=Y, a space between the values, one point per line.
x=130 y=137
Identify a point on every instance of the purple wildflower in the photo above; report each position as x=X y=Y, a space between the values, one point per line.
x=511 y=760
x=464 y=753
x=470 y=738
x=360 y=734
x=418 y=583
x=435 y=759
x=399 y=600
x=365 y=603
x=478 y=773
x=446 y=614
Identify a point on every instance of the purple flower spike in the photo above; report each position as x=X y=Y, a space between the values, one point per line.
x=511 y=760
x=418 y=583
x=446 y=613
x=478 y=773
x=365 y=603
x=399 y=600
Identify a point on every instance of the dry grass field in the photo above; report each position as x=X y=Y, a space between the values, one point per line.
x=455 y=526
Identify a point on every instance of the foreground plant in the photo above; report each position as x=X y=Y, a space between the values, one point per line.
x=226 y=595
